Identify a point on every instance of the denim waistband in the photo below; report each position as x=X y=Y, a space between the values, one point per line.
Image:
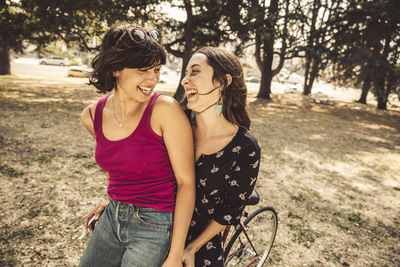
x=131 y=207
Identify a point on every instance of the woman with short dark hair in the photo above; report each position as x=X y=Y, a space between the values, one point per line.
x=144 y=142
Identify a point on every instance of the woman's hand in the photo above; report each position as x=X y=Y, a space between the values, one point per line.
x=188 y=257
x=95 y=214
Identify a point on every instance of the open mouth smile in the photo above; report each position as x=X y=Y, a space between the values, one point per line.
x=145 y=90
x=191 y=92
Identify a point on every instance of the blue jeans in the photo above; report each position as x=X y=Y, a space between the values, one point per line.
x=128 y=235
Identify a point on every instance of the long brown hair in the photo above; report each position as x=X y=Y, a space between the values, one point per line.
x=117 y=54
x=234 y=105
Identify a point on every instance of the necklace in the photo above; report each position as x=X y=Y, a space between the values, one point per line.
x=115 y=115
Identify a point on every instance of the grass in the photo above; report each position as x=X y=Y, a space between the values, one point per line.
x=10 y=171
x=330 y=171
x=8 y=260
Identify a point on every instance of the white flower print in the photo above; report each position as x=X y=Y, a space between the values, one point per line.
x=253 y=180
x=214 y=169
x=228 y=218
x=200 y=163
x=227 y=177
x=255 y=164
x=207 y=262
x=234 y=163
x=210 y=245
x=203 y=182
x=220 y=153
x=220 y=258
x=236 y=149
x=237 y=168
x=204 y=200
x=214 y=192
x=210 y=211
x=243 y=196
x=234 y=183
x=252 y=154
x=193 y=223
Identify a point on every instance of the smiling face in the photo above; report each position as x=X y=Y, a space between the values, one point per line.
x=138 y=84
x=198 y=80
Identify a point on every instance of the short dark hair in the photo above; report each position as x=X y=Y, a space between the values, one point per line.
x=234 y=105
x=116 y=54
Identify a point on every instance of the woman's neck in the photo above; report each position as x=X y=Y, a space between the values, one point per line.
x=208 y=124
x=125 y=105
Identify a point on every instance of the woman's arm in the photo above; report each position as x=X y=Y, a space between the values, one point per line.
x=211 y=230
x=87 y=120
x=178 y=138
x=88 y=123
x=242 y=178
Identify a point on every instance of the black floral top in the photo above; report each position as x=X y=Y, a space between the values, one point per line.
x=224 y=181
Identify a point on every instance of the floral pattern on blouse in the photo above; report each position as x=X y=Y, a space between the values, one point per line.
x=224 y=181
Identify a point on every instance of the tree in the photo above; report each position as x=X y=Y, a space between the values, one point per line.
x=315 y=16
x=264 y=25
x=366 y=46
x=203 y=26
x=40 y=22
x=14 y=27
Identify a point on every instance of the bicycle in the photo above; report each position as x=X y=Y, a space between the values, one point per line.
x=252 y=240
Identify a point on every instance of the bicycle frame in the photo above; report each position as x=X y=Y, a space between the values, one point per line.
x=243 y=229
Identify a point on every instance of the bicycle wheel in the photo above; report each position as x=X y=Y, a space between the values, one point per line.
x=260 y=227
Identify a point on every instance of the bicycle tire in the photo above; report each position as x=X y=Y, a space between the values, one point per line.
x=239 y=251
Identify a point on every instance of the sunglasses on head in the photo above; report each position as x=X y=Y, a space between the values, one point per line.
x=139 y=35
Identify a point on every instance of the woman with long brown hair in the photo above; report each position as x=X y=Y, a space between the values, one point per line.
x=227 y=155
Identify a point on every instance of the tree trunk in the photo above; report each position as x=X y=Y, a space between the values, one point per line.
x=306 y=73
x=188 y=33
x=266 y=73
x=180 y=91
x=382 y=103
x=310 y=76
x=266 y=80
x=4 y=59
x=365 y=90
x=379 y=83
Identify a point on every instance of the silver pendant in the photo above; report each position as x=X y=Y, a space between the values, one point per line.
x=120 y=124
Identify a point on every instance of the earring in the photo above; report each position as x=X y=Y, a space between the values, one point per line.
x=219 y=107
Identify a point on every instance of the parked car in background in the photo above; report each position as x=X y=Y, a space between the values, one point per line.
x=79 y=71
x=253 y=79
x=60 y=61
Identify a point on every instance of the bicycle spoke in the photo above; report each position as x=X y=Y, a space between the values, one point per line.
x=260 y=229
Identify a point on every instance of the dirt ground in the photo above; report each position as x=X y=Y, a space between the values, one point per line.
x=330 y=169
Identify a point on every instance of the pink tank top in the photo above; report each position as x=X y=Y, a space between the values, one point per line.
x=139 y=167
